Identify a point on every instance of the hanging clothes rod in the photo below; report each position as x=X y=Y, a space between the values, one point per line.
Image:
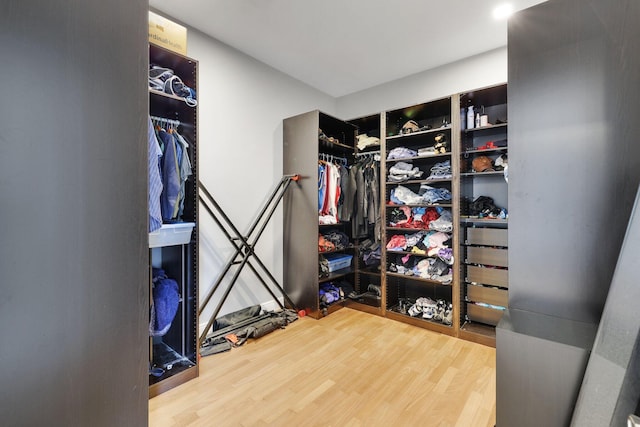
x=163 y=120
x=367 y=153
x=367 y=156
x=331 y=158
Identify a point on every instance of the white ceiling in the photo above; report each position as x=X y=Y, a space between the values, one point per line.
x=344 y=46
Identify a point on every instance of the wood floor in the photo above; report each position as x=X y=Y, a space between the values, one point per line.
x=347 y=369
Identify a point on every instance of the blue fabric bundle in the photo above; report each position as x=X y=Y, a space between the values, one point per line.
x=165 y=303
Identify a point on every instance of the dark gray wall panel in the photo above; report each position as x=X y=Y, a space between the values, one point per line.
x=574 y=171
x=73 y=221
x=611 y=387
x=541 y=362
x=573 y=155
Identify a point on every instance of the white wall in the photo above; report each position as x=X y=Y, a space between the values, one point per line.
x=242 y=103
x=485 y=69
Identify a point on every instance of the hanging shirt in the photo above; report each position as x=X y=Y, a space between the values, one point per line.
x=170 y=176
x=321 y=187
x=185 y=171
x=327 y=190
x=155 y=180
x=343 y=213
x=178 y=162
x=333 y=183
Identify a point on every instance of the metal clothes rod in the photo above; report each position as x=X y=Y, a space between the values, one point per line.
x=332 y=158
x=367 y=153
x=162 y=120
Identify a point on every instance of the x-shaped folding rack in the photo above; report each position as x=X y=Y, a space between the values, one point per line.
x=244 y=246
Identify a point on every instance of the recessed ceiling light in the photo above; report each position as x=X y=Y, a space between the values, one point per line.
x=503 y=11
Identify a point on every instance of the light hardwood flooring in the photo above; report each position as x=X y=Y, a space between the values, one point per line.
x=347 y=369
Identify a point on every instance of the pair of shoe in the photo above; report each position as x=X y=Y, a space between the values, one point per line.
x=404 y=304
x=441 y=306
x=424 y=306
x=448 y=316
x=444 y=312
x=372 y=290
x=414 y=310
x=400 y=269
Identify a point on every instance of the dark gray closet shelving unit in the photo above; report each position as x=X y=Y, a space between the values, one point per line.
x=177 y=351
x=479 y=286
x=301 y=153
x=433 y=118
x=370 y=126
x=484 y=241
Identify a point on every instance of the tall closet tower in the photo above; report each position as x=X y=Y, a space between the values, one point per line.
x=173 y=352
x=311 y=138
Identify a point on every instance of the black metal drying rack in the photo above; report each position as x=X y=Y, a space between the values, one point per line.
x=244 y=247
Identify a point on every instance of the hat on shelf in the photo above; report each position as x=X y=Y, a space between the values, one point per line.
x=409 y=127
x=482 y=164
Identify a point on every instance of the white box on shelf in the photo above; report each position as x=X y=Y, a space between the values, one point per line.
x=338 y=261
x=171 y=234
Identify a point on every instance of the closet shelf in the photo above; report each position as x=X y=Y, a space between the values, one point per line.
x=412 y=230
x=422 y=205
x=396 y=315
x=171 y=234
x=334 y=306
x=338 y=224
x=488 y=127
x=469 y=219
x=475 y=174
x=371 y=271
x=485 y=150
x=417 y=134
x=392 y=251
x=337 y=251
x=420 y=181
x=364 y=304
x=415 y=158
x=165 y=95
x=478 y=332
x=336 y=274
x=418 y=278
x=325 y=143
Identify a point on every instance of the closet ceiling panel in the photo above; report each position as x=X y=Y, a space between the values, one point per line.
x=343 y=47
